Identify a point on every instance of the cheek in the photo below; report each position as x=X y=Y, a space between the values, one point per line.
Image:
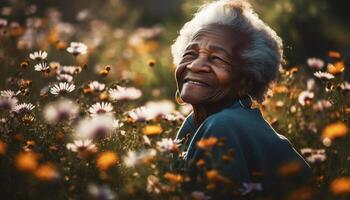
x=178 y=73
x=225 y=79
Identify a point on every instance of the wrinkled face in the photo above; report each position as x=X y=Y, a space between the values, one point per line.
x=207 y=72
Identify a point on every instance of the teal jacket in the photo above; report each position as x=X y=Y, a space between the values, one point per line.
x=259 y=154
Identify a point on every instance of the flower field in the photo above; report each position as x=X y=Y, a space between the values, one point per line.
x=87 y=111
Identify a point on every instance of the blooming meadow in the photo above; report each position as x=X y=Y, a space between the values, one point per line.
x=76 y=127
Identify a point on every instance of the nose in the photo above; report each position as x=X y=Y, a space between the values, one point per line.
x=200 y=64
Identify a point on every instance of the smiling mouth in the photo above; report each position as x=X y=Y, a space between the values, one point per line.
x=195 y=82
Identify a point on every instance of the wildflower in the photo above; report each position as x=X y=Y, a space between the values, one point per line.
x=101 y=108
x=151 y=62
x=24 y=64
x=335 y=130
x=214 y=176
x=141 y=114
x=106 y=159
x=101 y=192
x=340 y=186
x=62 y=88
x=24 y=108
x=290 y=168
x=54 y=65
x=251 y=187
x=70 y=70
x=3 y=22
x=315 y=63
x=310 y=84
x=321 y=105
x=82 y=146
x=174 y=178
x=65 y=78
x=38 y=55
x=7 y=103
x=100 y=126
x=323 y=75
x=46 y=172
x=26 y=161
x=124 y=93
x=305 y=97
x=345 y=86
x=117 y=124
x=314 y=155
x=146 y=140
x=207 y=143
x=160 y=108
x=60 y=110
x=77 y=48
x=336 y=68
x=3 y=148
x=334 y=54
x=41 y=67
x=133 y=158
x=167 y=145
x=152 y=130
x=95 y=86
x=153 y=184
x=8 y=93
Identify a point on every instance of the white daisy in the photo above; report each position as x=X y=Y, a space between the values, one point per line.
x=65 y=78
x=315 y=63
x=7 y=103
x=70 y=70
x=101 y=108
x=167 y=145
x=96 y=86
x=133 y=158
x=160 y=108
x=24 y=108
x=77 y=48
x=124 y=93
x=8 y=93
x=117 y=124
x=38 y=55
x=323 y=75
x=60 y=110
x=141 y=114
x=41 y=67
x=305 y=96
x=82 y=145
x=98 y=127
x=62 y=88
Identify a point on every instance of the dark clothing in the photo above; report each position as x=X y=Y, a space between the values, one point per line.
x=260 y=154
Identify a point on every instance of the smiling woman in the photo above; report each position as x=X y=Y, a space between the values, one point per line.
x=226 y=58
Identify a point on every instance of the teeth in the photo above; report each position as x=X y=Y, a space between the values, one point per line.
x=195 y=82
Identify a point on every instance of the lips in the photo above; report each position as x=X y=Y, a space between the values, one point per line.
x=195 y=81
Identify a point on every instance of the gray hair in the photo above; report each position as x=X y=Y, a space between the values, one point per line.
x=263 y=55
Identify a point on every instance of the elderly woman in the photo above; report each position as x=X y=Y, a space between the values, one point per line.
x=226 y=57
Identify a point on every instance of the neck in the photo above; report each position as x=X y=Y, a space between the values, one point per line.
x=202 y=111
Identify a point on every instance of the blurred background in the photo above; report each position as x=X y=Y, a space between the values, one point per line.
x=134 y=36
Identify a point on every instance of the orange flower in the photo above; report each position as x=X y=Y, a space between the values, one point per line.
x=152 y=130
x=3 y=148
x=280 y=89
x=106 y=160
x=103 y=96
x=27 y=161
x=151 y=62
x=334 y=130
x=341 y=185
x=334 y=54
x=213 y=176
x=173 y=178
x=337 y=68
x=207 y=143
x=46 y=172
